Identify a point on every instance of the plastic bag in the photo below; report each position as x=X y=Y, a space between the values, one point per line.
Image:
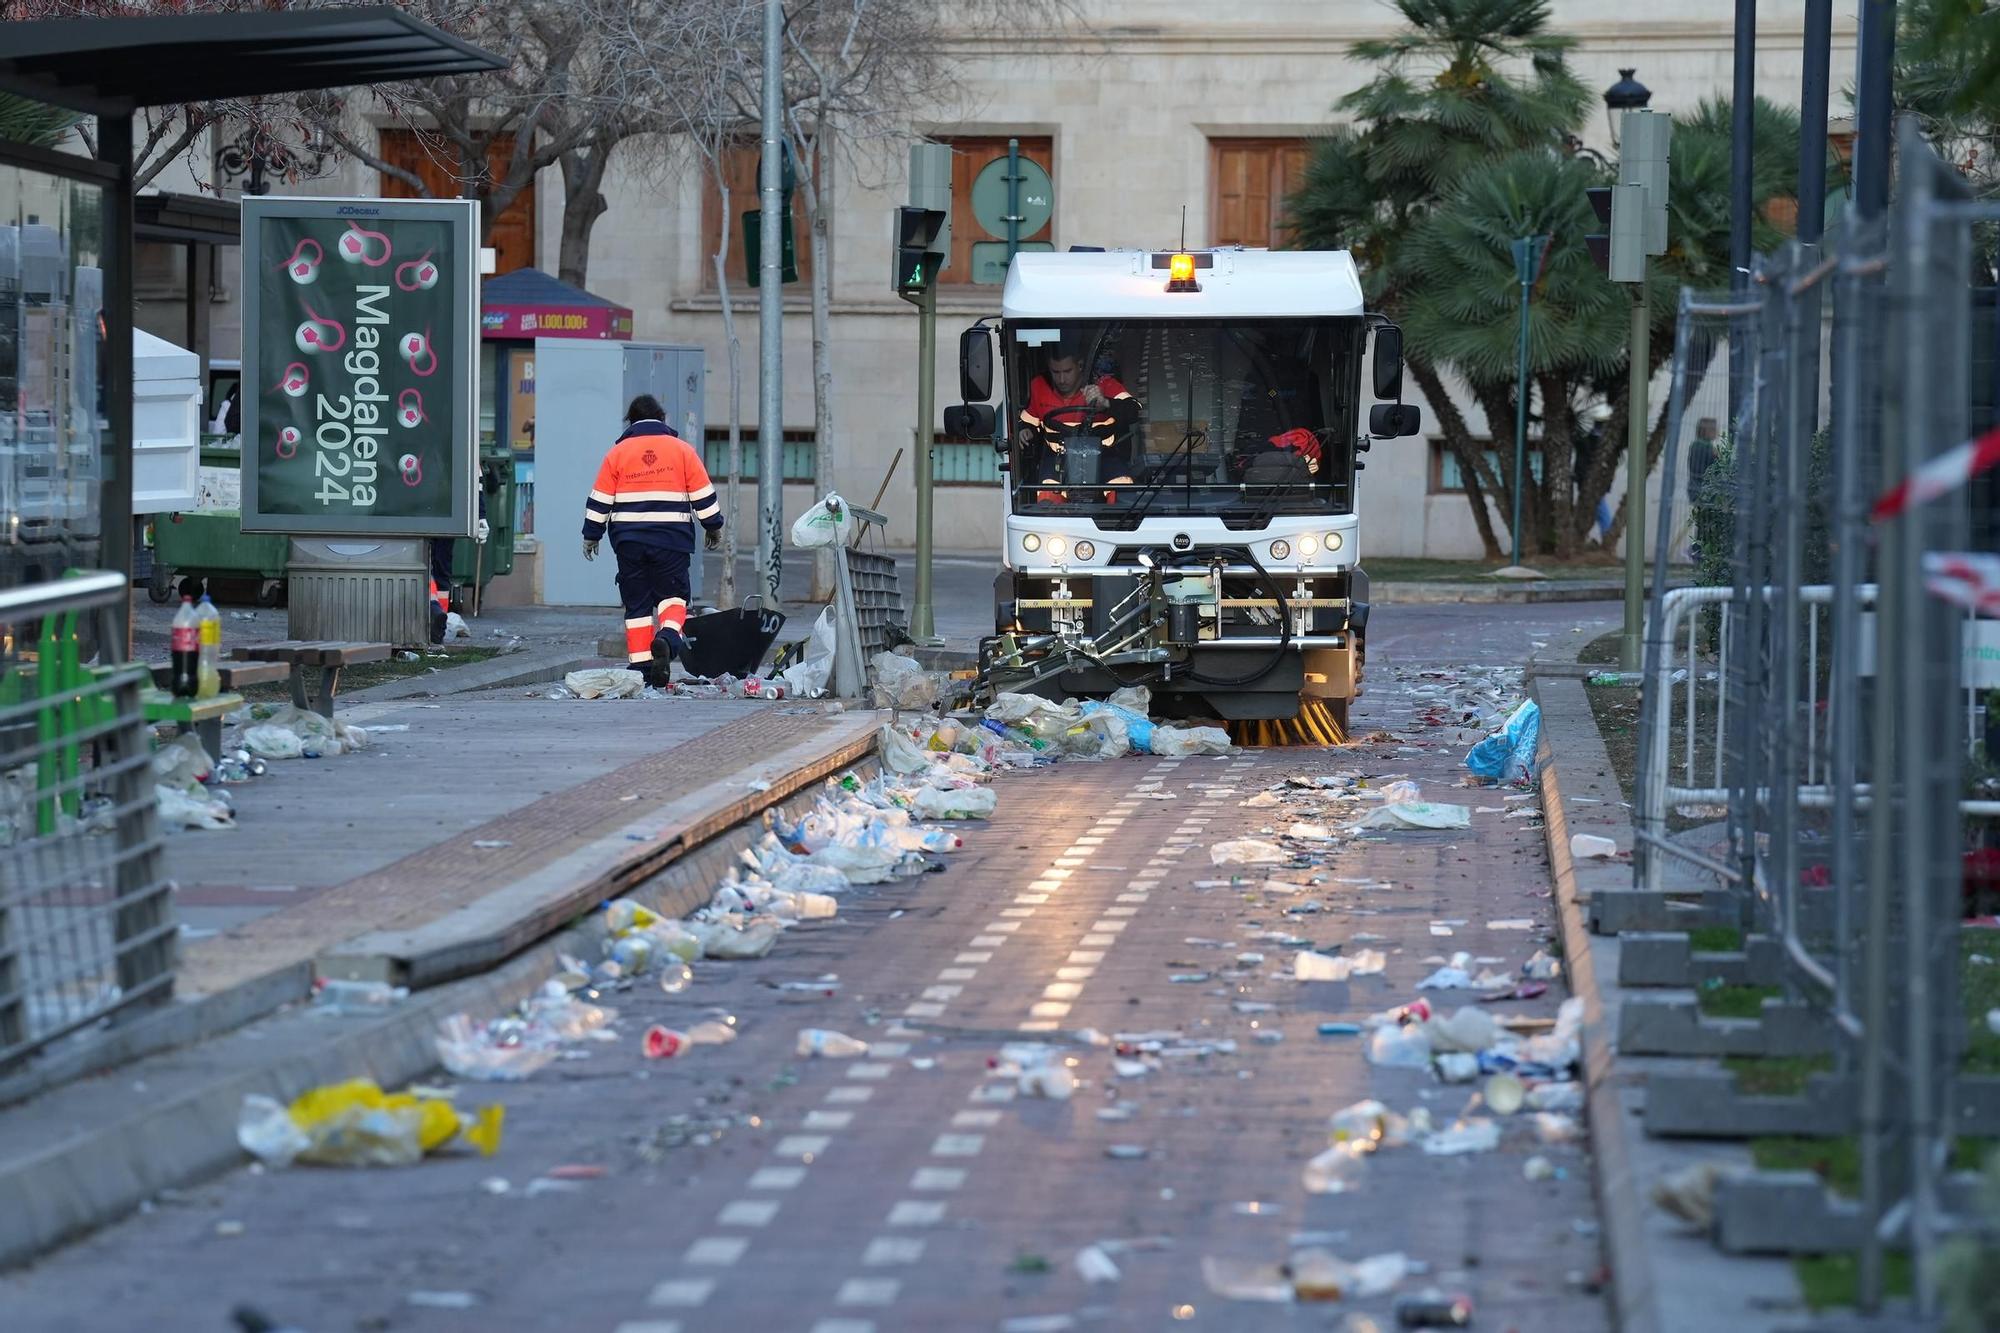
x=480 y=1054
x=455 y=626
x=808 y=676
x=182 y=762
x=1248 y=852
x=899 y=753
x=1139 y=728
x=1182 y=742
x=1399 y=1047
x=902 y=682
x=1508 y=755
x=269 y=742
x=827 y=523
x=357 y=1124
x=192 y=809
x=721 y=940
x=963 y=803
x=1417 y=814
x=605 y=683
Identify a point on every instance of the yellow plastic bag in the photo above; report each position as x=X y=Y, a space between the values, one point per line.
x=357 y=1124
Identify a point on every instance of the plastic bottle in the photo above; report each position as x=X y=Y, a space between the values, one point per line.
x=208 y=662
x=185 y=646
x=831 y=1045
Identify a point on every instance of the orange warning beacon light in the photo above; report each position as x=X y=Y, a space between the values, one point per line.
x=1180 y=274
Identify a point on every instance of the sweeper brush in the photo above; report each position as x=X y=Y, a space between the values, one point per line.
x=1315 y=724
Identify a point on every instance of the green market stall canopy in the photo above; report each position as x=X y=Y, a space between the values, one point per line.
x=528 y=303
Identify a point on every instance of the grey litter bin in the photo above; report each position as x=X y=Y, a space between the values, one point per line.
x=359 y=589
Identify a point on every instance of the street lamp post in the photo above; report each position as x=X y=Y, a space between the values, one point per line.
x=1529 y=252
x=1628 y=94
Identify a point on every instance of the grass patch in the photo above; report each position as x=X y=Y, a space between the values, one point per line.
x=1979 y=986
x=1602 y=650
x=1715 y=939
x=1780 y=1076
x=1829 y=1281
x=1838 y=1161
x=376 y=673
x=1735 y=1001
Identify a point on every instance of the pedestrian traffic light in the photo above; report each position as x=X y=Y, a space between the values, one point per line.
x=918 y=252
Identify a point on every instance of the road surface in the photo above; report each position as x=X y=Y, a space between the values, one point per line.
x=743 y=1188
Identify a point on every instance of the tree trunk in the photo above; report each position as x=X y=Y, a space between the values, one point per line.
x=583 y=203
x=726 y=596
x=1459 y=440
x=1557 y=534
x=820 y=177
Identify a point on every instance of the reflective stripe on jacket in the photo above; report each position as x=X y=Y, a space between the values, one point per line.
x=651 y=489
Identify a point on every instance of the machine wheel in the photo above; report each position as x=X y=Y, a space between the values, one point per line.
x=190 y=586
x=160 y=584
x=271 y=592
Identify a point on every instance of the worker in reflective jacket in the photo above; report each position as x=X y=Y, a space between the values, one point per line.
x=1063 y=407
x=651 y=490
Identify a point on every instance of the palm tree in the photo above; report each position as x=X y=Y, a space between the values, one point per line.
x=35 y=123
x=1467 y=81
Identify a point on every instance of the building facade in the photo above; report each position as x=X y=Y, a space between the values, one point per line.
x=1159 y=108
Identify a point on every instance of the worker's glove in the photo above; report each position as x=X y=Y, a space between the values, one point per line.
x=713 y=542
x=589 y=549
x=482 y=532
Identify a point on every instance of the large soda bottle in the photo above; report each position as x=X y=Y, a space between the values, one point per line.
x=186 y=648
x=208 y=669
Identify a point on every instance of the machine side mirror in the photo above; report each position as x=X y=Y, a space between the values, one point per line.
x=1388 y=421
x=975 y=365
x=970 y=421
x=1389 y=362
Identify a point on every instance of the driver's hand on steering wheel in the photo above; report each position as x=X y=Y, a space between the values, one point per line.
x=1093 y=396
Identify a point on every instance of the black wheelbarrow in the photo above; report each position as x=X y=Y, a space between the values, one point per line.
x=730 y=643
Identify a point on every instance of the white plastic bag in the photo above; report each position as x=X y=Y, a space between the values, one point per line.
x=268 y=1133
x=605 y=683
x=808 y=677
x=455 y=626
x=1247 y=852
x=192 y=809
x=182 y=762
x=1417 y=814
x=899 y=753
x=827 y=523
x=1181 y=742
x=963 y=803
x=902 y=682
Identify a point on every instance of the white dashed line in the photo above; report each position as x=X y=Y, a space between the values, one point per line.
x=986 y=942
x=868 y=1291
x=1031 y=899
x=1097 y=942
x=1018 y=913
x=1086 y=956
x=777 y=1177
x=1045 y=886
x=943 y=992
x=845 y=1094
x=958 y=974
x=829 y=1119
x=1040 y=1024
x=1049 y=1008
x=974 y=956
x=868 y=1069
x=682 y=1292
x=1003 y=927
x=802 y=1145
x=889 y=1050
x=923 y=1011
x=1075 y=973
x=1055 y=874
x=916 y=1213
x=974 y=1119
x=993 y=1092
x=747 y=1213
x=1062 y=990
x=843 y=1326
x=958 y=1145
x=1123 y=911
x=1109 y=926
x=938 y=1178
x=885 y=1250
x=716 y=1251
x=649 y=1326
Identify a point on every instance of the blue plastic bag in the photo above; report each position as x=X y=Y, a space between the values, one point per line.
x=1138 y=727
x=1508 y=755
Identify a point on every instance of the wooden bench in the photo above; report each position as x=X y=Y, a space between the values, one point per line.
x=330 y=658
x=235 y=675
x=201 y=716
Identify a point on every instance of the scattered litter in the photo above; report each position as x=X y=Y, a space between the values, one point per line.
x=356 y=1124
x=1418 y=815
x=1508 y=755
x=1470 y=1135
x=1512 y=923
x=1248 y=852
x=1689 y=1194
x=1334 y=1171
x=1339 y=1029
x=1310 y=966
x=829 y=1045
x=1434 y=1309
x=1125 y=1152
x=1094 y=1265
x=605 y=683
x=1246 y=1280
x=442 y=1300
x=1537 y=1168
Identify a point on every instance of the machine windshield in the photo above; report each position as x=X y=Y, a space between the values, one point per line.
x=1236 y=419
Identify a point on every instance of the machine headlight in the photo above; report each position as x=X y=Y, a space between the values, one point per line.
x=1333 y=541
x=1031 y=542
x=1281 y=550
x=1308 y=544
x=1056 y=547
x=1086 y=550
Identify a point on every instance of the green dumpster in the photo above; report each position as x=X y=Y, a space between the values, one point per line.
x=496 y=478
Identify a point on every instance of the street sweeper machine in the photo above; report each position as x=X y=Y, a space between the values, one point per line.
x=1181 y=434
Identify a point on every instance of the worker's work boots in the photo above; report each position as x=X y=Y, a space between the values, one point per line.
x=668 y=645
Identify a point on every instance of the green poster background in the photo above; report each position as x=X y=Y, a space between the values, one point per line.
x=358 y=405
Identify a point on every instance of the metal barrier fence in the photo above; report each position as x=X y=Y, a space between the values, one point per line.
x=86 y=920
x=1810 y=707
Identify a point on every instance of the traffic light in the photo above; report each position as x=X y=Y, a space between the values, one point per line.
x=1633 y=213
x=1620 y=249
x=919 y=252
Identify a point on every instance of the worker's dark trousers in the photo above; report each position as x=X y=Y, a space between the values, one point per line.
x=653 y=583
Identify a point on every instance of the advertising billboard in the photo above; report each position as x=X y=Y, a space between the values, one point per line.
x=360 y=366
